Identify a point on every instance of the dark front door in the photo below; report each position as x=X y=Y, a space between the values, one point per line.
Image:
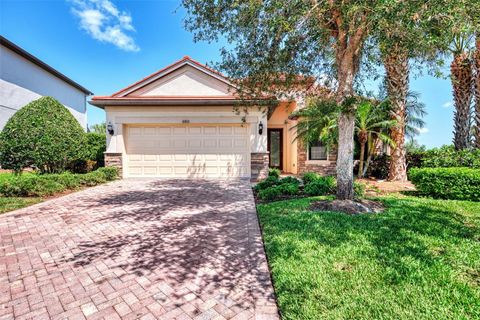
x=275 y=147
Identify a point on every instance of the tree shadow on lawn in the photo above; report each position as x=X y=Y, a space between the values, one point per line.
x=202 y=233
x=394 y=238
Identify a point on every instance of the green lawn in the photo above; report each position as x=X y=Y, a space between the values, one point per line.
x=10 y=203
x=420 y=259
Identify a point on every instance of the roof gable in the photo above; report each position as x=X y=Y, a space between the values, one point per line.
x=185 y=77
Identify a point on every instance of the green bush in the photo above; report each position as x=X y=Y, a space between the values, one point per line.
x=93 y=153
x=320 y=186
x=358 y=189
x=111 y=173
x=67 y=179
x=447 y=157
x=270 y=181
x=38 y=185
x=30 y=186
x=270 y=193
x=447 y=183
x=274 y=172
x=289 y=180
x=309 y=177
x=43 y=134
x=275 y=192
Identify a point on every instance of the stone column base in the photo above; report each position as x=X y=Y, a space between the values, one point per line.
x=259 y=162
x=114 y=159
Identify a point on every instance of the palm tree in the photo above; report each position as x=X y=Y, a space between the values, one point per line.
x=416 y=110
x=371 y=125
x=397 y=81
x=476 y=60
x=318 y=122
x=462 y=81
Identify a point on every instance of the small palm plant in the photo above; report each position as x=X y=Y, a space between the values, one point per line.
x=371 y=126
x=318 y=122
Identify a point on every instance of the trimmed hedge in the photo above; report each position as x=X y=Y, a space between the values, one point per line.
x=38 y=185
x=44 y=135
x=448 y=157
x=447 y=183
x=92 y=157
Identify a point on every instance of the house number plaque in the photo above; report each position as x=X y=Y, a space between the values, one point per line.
x=185 y=121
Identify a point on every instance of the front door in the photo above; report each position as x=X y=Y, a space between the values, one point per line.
x=275 y=147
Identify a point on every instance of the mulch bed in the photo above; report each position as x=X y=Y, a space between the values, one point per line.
x=348 y=206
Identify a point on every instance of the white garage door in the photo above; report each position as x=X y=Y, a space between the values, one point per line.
x=188 y=151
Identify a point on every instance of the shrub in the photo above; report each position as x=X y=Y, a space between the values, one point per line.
x=267 y=183
x=359 y=189
x=289 y=180
x=93 y=178
x=67 y=179
x=275 y=192
x=379 y=167
x=30 y=186
x=309 y=177
x=92 y=156
x=43 y=134
x=270 y=193
x=36 y=185
x=290 y=189
x=320 y=186
x=274 y=172
x=447 y=183
x=111 y=173
x=447 y=157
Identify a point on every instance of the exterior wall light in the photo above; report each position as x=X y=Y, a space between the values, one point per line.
x=260 y=128
x=110 y=129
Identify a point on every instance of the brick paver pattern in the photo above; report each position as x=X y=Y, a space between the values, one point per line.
x=137 y=249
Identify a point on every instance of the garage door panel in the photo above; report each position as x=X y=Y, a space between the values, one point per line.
x=187 y=151
x=210 y=143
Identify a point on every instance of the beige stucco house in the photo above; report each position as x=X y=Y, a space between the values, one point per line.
x=182 y=122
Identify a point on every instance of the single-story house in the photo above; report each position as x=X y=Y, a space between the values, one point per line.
x=24 y=78
x=181 y=122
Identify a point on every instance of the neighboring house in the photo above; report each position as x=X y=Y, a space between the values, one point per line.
x=180 y=122
x=24 y=78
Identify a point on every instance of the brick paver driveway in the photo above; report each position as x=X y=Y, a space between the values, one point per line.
x=165 y=249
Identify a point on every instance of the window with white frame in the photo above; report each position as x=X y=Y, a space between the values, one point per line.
x=317 y=151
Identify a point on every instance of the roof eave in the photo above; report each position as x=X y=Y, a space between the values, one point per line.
x=101 y=103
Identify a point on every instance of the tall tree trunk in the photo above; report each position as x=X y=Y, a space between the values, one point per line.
x=346 y=127
x=348 y=51
x=462 y=77
x=476 y=60
x=397 y=70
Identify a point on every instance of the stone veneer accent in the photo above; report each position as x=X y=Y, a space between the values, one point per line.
x=114 y=159
x=325 y=168
x=259 y=162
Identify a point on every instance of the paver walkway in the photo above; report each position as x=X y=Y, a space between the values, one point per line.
x=137 y=249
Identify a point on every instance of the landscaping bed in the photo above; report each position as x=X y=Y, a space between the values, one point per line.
x=275 y=188
x=418 y=259
x=18 y=191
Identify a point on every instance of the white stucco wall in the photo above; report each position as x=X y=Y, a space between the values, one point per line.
x=120 y=116
x=185 y=81
x=23 y=81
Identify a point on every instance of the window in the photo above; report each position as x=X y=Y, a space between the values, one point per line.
x=317 y=151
